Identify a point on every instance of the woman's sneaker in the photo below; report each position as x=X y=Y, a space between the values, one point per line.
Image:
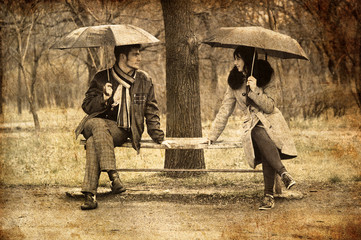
x=287 y=180
x=268 y=202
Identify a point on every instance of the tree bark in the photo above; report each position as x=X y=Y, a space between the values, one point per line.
x=357 y=68
x=182 y=83
x=19 y=97
x=1 y=72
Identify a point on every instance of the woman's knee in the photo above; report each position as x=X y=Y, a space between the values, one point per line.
x=256 y=133
x=90 y=141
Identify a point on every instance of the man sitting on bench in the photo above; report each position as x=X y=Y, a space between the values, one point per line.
x=117 y=102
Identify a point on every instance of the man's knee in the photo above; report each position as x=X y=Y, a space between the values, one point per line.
x=94 y=124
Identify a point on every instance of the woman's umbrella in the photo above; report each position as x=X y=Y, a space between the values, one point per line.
x=263 y=40
x=105 y=35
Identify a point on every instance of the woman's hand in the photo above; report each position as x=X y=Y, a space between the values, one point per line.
x=166 y=143
x=252 y=83
x=206 y=141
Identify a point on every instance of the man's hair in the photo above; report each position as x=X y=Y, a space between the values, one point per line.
x=125 y=49
x=246 y=53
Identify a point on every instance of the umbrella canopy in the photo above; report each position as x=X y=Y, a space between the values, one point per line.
x=103 y=35
x=264 y=40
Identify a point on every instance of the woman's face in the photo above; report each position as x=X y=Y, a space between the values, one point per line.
x=239 y=63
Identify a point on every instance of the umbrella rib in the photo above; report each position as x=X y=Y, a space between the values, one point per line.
x=138 y=30
x=78 y=38
x=111 y=31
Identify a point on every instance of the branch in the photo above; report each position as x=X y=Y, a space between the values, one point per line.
x=91 y=13
x=28 y=39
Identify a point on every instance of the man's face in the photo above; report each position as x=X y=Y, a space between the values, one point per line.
x=133 y=59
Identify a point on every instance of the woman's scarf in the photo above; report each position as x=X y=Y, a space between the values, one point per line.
x=122 y=96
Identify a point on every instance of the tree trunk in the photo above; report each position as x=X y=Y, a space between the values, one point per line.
x=214 y=81
x=19 y=97
x=31 y=99
x=182 y=84
x=1 y=73
x=357 y=68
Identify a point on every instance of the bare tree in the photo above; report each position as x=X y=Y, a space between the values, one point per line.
x=338 y=24
x=183 y=96
x=22 y=20
x=1 y=69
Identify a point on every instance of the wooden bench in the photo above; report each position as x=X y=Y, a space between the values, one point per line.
x=191 y=143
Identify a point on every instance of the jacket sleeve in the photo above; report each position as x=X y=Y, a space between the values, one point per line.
x=94 y=100
x=265 y=99
x=152 y=117
x=226 y=109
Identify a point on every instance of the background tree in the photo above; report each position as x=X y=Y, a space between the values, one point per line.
x=22 y=21
x=329 y=32
x=183 y=96
x=1 y=70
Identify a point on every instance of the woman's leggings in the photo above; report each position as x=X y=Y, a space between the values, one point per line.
x=270 y=156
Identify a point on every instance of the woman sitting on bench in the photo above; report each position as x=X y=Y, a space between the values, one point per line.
x=267 y=138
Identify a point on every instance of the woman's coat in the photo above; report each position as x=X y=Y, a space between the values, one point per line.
x=265 y=111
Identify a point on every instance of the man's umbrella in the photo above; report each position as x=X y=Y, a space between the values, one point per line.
x=105 y=35
x=263 y=40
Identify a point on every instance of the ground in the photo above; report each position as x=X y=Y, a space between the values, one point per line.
x=310 y=211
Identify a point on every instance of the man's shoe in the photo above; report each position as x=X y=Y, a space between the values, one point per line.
x=287 y=180
x=268 y=202
x=90 y=202
x=117 y=186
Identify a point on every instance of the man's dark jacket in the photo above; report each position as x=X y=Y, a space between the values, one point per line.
x=143 y=105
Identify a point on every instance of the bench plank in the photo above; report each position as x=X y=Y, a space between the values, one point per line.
x=183 y=143
x=184 y=170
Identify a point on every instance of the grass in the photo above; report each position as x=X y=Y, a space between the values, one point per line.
x=328 y=151
x=335 y=179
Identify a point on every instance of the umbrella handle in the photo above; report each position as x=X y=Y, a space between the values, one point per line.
x=108 y=74
x=254 y=56
x=247 y=88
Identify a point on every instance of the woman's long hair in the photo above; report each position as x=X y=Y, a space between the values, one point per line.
x=263 y=72
x=236 y=78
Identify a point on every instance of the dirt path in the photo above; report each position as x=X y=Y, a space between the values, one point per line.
x=324 y=212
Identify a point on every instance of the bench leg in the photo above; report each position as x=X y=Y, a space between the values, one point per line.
x=278 y=184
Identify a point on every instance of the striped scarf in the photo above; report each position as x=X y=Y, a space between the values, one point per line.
x=122 y=96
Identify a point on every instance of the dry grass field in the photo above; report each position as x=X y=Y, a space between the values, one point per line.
x=37 y=168
x=328 y=151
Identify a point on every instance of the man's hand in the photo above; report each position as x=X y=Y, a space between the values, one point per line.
x=166 y=143
x=107 y=91
x=252 y=83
